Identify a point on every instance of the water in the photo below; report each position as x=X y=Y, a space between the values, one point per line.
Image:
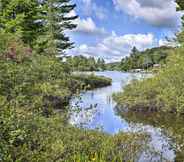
x=99 y=111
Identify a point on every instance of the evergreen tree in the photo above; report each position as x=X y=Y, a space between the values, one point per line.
x=181 y=4
x=57 y=21
x=101 y=63
x=180 y=36
x=134 y=51
x=21 y=17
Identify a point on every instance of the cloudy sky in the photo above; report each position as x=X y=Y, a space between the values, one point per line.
x=110 y=28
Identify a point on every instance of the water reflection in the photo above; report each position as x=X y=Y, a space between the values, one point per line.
x=170 y=126
x=103 y=105
x=99 y=111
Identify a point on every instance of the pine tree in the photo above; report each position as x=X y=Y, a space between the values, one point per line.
x=57 y=22
x=181 y=4
x=23 y=18
x=180 y=35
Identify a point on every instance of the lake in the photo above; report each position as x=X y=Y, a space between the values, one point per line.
x=95 y=109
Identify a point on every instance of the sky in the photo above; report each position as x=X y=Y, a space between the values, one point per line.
x=109 y=29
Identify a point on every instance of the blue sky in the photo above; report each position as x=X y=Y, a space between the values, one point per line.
x=110 y=28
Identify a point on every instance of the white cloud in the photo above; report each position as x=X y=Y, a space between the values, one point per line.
x=114 y=47
x=100 y=12
x=90 y=8
x=164 y=42
x=156 y=12
x=71 y=13
x=88 y=26
x=87 y=7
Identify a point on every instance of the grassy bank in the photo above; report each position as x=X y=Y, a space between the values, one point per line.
x=92 y=81
x=34 y=138
x=164 y=92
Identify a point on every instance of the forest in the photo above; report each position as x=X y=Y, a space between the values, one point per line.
x=82 y=63
x=142 y=59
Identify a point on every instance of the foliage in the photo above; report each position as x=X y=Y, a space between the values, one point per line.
x=91 y=81
x=40 y=24
x=21 y=17
x=30 y=89
x=57 y=21
x=31 y=137
x=163 y=92
x=181 y=4
x=143 y=60
x=82 y=63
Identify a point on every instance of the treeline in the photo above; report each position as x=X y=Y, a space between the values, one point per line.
x=82 y=63
x=142 y=59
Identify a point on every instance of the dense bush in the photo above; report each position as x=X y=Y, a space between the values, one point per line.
x=92 y=81
x=163 y=92
x=28 y=136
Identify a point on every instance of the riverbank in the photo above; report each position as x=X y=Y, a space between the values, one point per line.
x=164 y=92
x=91 y=81
x=170 y=125
x=79 y=83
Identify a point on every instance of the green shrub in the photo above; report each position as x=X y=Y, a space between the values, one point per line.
x=92 y=81
x=163 y=92
x=31 y=137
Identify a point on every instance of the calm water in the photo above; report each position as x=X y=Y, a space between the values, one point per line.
x=99 y=111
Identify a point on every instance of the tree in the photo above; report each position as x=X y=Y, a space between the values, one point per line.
x=180 y=35
x=181 y=4
x=101 y=63
x=57 y=21
x=134 y=51
x=21 y=17
x=40 y=24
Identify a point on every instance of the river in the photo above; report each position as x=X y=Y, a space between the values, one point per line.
x=97 y=110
